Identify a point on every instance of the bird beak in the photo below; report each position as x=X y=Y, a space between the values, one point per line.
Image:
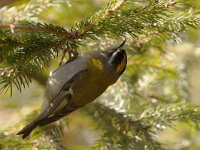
x=122 y=44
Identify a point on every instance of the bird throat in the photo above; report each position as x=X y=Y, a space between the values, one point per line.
x=122 y=65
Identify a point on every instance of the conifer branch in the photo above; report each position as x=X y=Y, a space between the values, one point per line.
x=116 y=7
x=141 y=130
x=36 y=28
x=123 y=126
x=151 y=22
x=26 y=47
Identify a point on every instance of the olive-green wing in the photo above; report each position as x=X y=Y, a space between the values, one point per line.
x=63 y=112
x=64 y=93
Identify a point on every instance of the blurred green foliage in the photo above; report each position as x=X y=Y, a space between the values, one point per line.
x=139 y=111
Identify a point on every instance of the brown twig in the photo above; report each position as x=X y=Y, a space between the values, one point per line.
x=33 y=28
x=108 y=12
x=68 y=35
x=172 y=3
x=116 y=7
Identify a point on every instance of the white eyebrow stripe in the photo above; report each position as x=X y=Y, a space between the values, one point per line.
x=113 y=55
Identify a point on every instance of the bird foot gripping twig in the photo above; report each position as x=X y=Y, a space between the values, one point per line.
x=73 y=54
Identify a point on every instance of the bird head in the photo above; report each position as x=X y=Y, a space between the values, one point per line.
x=117 y=58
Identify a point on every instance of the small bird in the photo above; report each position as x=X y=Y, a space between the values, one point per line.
x=77 y=83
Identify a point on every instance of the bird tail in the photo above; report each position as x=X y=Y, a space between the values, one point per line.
x=28 y=129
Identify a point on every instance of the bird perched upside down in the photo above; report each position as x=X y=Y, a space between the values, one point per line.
x=78 y=83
